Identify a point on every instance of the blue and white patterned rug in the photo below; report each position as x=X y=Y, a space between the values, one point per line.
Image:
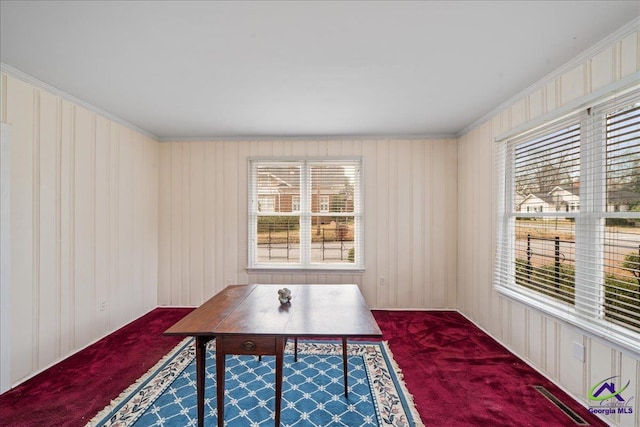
x=312 y=391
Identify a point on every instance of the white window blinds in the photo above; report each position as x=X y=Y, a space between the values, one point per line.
x=569 y=226
x=313 y=217
x=621 y=258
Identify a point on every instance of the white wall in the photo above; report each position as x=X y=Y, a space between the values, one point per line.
x=541 y=340
x=84 y=215
x=410 y=189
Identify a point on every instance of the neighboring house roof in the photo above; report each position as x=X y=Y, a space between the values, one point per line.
x=330 y=179
x=546 y=197
x=613 y=197
x=534 y=198
x=281 y=182
x=575 y=190
x=623 y=197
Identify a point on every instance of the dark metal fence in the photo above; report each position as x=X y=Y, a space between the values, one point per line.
x=271 y=244
x=340 y=236
x=558 y=257
x=547 y=268
x=331 y=242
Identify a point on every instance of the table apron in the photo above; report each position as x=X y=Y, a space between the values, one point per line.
x=248 y=344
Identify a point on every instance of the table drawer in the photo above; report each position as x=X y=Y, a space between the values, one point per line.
x=257 y=345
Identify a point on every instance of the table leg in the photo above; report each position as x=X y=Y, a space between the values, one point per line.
x=220 y=364
x=295 y=349
x=344 y=366
x=280 y=343
x=201 y=361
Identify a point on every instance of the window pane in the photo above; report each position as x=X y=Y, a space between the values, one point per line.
x=278 y=188
x=622 y=271
x=332 y=239
x=332 y=188
x=546 y=171
x=622 y=235
x=266 y=204
x=545 y=256
x=623 y=160
x=278 y=239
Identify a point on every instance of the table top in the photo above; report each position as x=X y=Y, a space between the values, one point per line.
x=314 y=310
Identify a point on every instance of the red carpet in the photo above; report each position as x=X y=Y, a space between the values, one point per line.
x=73 y=391
x=457 y=374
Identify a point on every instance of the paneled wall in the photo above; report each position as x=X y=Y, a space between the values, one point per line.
x=106 y=223
x=410 y=201
x=84 y=218
x=543 y=341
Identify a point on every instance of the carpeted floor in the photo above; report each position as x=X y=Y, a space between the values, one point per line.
x=70 y=393
x=458 y=375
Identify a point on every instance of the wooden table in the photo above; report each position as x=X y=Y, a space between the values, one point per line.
x=249 y=319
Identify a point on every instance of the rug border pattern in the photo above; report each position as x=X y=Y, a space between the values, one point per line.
x=393 y=404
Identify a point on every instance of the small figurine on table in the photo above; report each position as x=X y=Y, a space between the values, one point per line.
x=284 y=295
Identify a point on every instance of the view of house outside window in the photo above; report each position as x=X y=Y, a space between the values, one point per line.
x=546 y=181
x=571 y=226
x=307 y=214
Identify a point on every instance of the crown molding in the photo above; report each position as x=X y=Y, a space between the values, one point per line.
x=624 y=31
x=615 y=89
x=7 y=69
x=631 y=27
x=303 y=138
x=27 y=78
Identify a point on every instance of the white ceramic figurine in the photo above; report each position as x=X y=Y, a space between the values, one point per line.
x=284 y=295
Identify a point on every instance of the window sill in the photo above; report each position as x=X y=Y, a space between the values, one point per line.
x=305 y=270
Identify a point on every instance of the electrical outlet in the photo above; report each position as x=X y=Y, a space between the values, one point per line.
x=381 y=281
x=229 y=282
x=103 y=305
x=578 y=351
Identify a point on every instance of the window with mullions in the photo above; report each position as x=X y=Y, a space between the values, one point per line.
x=313 y=219
x=546 y=172
x=621 y=255
x=569 y=226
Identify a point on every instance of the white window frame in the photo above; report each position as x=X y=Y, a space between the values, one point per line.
x=588 y=313
x=305 y=213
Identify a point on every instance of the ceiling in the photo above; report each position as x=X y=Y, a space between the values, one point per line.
x=200 y=69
